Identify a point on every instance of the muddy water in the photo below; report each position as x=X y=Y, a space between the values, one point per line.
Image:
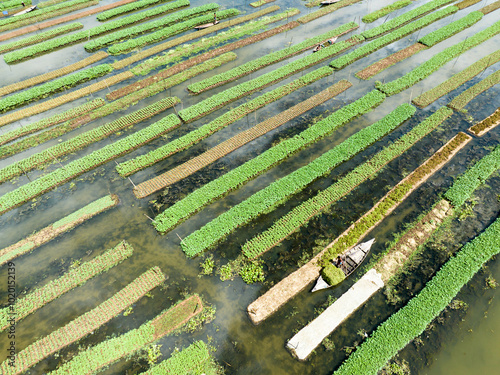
x=241 y=347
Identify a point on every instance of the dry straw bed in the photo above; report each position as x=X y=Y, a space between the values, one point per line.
x=85 y=324
x=66 y=98
x=59 y=227
x=195 y=164
x=53 y=74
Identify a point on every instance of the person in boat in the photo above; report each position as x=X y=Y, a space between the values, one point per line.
x=339 y=262
x=215 y=18
x=329 y=42
x=23 y=4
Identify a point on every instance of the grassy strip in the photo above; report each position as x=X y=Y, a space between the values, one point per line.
x=466 y=3
x=389 y=61
x=67 y=40
x=186 y=169
x=72 y=17
x=121 y=10
x=451 y=29
x=13 y=4
x=40 y=37
x=411 y=320
x=219 y=100
x=269 y=59
x=195 y=359
x=186 y=50
x=46 y=11
x=93 y=160
x=300 y=215
x=464 y=186
x=220 y=187
x=259 y=3
x=456 y=80
x=188 y=37
x=464 y=98
x=385 y=40
x=66 y=98
x=437 y=61
x=76 y=276
x=393 y=198
x=278 y=192
x=63 y=83
x=373 y=16
x=405 y=18
x=53 y=74
x=85 y=324
x=168 y=21
x=131 y=166
x=487 y=124
x=162 y=34
x=84 y=139
x=325 y=10
x=111 y=350
x=50 y=121
x=55 y=229
x=45 y=4
x=490 y=7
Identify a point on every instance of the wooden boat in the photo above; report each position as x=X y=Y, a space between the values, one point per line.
x=329 y=2
x=201 y=27
x=326 y=43
x=25 y=11
x=352 y=259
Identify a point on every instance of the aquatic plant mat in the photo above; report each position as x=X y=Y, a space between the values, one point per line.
x=109 y=351
x=411 y=320
x=186 y=169
x=76 y=276
x=85 y=324
x=290 y=286
x=388 y=61
x=57 y=228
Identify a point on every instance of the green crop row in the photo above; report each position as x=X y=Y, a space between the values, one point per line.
x=405 y=18
x=76 y=276
x=373 y=16
x=48 y=10
x=460 y=101
x=50 y=121
x=301 y=214
x=46 y=89
x=185 y=50
x=457 y=80
x=168 y=32
x=411 y=320
x=324 y=10
x=107 y=352
x=85 y=324
x=61 y=175
x=269 y=59
x=64 y=41
x=278 y=192
x=169 y=20
x=13 y=4
x=215 y=189
x=61 y=226
x=131 y=166
x=118 y=11
x=383 y=41
x=40 y=37
x=195 y=359
x=465 y=185
x=392 y=199
x=217 y=101
x=435 y=62
x=451 y=29
x=84 y=139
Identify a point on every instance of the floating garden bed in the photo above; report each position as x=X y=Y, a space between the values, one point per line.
x=85 y=324
x=127 y=8
x=487 y=124
x=61 y=226
x=215 y=189
x=182 y=171
x=76 y=276
x=460 y=101
x=373 y=16
x=324 y=10
x=300 y=215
